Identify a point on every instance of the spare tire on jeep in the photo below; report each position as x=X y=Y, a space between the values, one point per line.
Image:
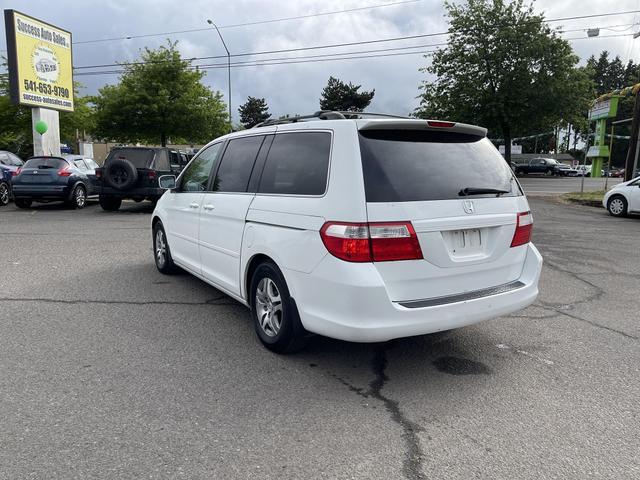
x=120 y=174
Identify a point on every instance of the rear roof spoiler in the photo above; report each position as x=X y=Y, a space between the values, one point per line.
x=432 y=125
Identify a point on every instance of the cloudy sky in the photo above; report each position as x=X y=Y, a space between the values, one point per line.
x=295 y=88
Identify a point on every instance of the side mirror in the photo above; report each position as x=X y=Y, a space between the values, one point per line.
x=167 y=182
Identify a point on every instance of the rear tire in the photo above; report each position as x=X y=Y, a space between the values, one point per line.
x=110 y=204
x=617 y=206
x=23 y=202
x=5 y=194
x=161 y=251
x=78 y=198
x=274 y=313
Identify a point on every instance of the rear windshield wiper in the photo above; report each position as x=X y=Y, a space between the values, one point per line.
x=481 y=191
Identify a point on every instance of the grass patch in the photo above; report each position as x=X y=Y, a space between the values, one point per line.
x=586 y=198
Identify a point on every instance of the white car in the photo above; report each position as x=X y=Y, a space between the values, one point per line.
x=361 y=229
x=623 y=198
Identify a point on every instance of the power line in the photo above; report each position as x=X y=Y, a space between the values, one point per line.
x=337 y=45
x=259 y=22
x=267 y=62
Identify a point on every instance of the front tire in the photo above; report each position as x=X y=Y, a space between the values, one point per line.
x=161 y=251
x=23 y=202
x=617 y=206
x=110 y=204
x=5 y=194
x=274 y=314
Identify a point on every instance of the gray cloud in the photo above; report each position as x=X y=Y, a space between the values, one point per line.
x=296 y=88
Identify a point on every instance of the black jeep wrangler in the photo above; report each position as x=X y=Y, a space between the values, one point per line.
x=133 y=172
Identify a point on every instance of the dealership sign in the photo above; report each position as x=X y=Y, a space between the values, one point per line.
x=604 y=109
x=40 y=62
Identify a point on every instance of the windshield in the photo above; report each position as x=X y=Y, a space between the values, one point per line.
x=140 y=157
x=413 y=165
x=45 y=162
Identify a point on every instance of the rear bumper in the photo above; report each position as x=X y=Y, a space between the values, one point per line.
x=42 y=192
x=134 y=192
x=352 y=303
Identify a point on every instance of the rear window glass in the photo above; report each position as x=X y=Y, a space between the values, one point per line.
x=297 y=164
x=411 y=165
x=140 y=158
x=43 y=163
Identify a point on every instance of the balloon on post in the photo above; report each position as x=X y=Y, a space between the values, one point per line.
x=41 y=127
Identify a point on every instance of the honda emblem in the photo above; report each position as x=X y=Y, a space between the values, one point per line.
x=468 y=206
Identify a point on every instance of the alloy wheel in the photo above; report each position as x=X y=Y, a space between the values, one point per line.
x=80 y=197
x=161 y=249
x=4 y=194
x=269 y=307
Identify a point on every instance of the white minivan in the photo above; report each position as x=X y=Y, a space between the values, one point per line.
x=357 y=228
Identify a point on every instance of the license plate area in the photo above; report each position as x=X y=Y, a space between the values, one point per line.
x=463 y=242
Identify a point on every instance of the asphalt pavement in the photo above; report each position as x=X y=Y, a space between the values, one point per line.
x=109 y=369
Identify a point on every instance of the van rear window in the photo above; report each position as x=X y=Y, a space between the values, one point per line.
x=418 y=165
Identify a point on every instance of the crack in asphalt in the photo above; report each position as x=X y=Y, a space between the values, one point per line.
x=413 y=457
x=212 y=301
x=561 y=308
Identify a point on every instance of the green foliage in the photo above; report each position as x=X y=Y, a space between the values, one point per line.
x=253 y=111
x=159 y=98
x=341 y=96
x=505 y=69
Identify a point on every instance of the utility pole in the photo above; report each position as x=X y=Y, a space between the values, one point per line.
x=632 y=153
x=210 y=22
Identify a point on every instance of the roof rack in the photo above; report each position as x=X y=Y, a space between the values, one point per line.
x=326 y=115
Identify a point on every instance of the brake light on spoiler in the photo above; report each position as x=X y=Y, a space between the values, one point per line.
x=371 y=242
x=440 y=124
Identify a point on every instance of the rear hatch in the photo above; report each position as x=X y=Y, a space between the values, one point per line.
x=42 y=170
x=461 y=198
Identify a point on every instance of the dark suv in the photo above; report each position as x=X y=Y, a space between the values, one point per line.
x=133 y=172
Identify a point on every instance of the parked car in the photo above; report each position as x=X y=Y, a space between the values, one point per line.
x=9 y=163
x=358 y=229
x=68 y=178
x=616 y=172
x=623 y=198
x=133 y=172
x=546 y=166
x=583 y=170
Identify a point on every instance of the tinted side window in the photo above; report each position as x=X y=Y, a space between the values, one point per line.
x=236 y=164
x=298 y=164
x=196 y=176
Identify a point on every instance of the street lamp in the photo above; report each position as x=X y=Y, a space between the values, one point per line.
x=210 y=22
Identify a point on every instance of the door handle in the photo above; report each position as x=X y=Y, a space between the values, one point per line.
x=194 y=205
x=208 y=206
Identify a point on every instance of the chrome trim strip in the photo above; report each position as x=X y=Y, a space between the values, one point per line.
x=462 y=297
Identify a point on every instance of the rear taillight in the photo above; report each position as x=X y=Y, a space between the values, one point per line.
x=524 y=225
x=371 y=242
x=17 y=172
x=151 y=174
x=65 y=172
x=98 y=172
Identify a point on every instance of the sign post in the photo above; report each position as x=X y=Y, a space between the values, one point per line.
x=599 y=152
x=40 y=75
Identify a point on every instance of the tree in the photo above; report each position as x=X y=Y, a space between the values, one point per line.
x=505 y=69
x=160 y=97
x=253 y=112
x=343 y=97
